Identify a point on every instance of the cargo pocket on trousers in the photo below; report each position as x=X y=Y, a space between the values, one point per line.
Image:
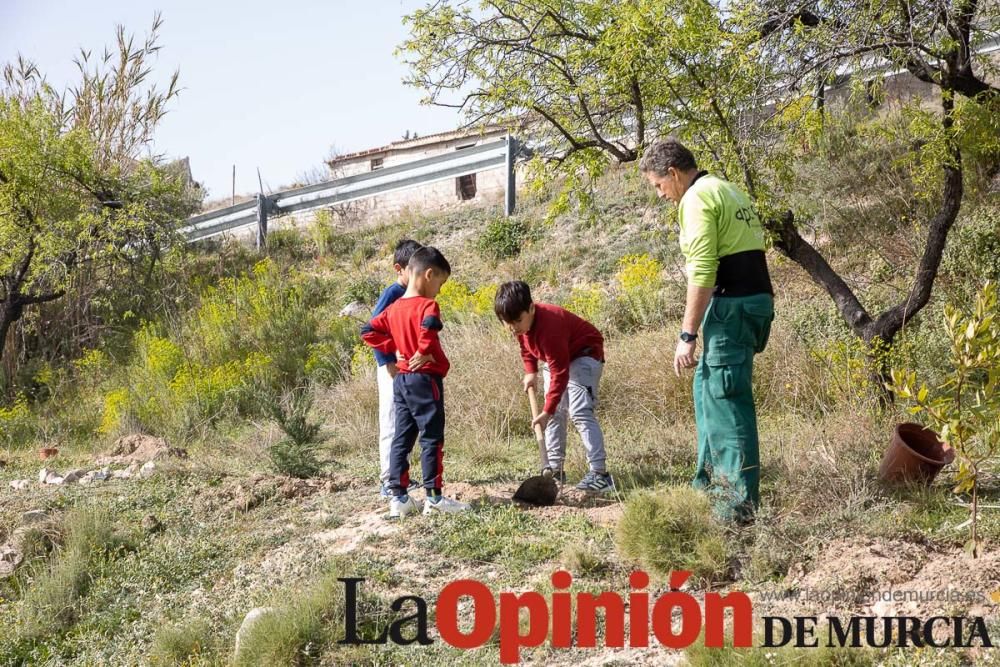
x=758 y=321
x=725 y=372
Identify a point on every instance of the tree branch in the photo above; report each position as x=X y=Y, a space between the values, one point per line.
x=792 y=245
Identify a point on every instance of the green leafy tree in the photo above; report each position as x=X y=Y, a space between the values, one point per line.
x=809 y=43
x=744 y=84
x=75 y=190
x=965 y=406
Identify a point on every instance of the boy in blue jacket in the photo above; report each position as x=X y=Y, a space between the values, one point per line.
x=386 y=370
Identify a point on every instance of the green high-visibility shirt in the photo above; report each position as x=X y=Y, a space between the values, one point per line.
x=716 y=219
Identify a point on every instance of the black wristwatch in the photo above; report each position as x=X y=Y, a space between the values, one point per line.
x=688 y=337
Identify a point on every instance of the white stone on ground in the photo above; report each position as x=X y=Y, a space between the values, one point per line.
x=252 y=617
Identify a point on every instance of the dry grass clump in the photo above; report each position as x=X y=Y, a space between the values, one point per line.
x=671 y=529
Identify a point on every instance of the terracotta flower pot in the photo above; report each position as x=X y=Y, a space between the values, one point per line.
x=916 y=454
x=47 y=452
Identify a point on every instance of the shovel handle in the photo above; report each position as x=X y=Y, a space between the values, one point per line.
x=539 y=435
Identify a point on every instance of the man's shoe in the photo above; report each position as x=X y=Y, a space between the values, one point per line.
x=596 y=482
x=445 y=506
x=398 y=509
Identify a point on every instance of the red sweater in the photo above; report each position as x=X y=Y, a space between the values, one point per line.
x=557 y=337
x=409 y=325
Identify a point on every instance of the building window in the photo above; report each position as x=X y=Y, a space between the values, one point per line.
x=376 y=163
x=466 y=186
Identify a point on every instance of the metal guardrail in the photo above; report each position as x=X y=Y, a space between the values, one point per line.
x=460 y=162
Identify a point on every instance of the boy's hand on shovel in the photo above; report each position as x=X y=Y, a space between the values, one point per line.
x=541 y=421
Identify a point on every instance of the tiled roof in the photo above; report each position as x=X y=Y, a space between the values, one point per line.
x=403 y=144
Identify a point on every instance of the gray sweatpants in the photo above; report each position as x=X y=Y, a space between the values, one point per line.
x=578 y=403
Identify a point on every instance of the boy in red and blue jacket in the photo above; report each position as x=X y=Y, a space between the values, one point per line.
x=386 y=371
x=571 y=350
x=409 y=330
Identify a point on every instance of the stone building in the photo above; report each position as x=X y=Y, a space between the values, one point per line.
x=484 y=186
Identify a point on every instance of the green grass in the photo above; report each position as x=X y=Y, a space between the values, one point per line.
x=503 y=536
x=52 y=603
x=303 y=627
x=186 y=643
x=673 y=529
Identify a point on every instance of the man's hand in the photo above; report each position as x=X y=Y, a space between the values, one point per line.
x=684 y=356
x=541 y=420
x=529 y=381
x=392 y=368
x=417 y=361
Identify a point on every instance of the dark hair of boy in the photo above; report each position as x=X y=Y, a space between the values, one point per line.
x=429 y=257
x=404 y=251
x=512 y=299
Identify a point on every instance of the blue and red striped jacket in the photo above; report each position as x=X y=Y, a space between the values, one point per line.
x=409 y=325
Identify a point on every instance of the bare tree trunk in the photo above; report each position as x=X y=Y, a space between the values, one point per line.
x=7 y=319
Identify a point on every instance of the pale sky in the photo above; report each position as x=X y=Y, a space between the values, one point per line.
x=265 y=84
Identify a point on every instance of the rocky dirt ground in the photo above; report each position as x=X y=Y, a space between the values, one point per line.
x=216 y=545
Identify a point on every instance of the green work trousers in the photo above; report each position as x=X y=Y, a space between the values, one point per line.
x=733 y=331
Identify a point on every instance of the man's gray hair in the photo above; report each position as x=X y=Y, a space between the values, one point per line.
x=664 y=154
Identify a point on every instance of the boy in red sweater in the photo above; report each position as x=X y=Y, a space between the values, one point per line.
x=409 y=329
x=572 y=352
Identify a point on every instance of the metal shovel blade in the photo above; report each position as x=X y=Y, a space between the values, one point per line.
x=538 y=490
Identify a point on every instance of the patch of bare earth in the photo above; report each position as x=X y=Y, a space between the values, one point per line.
x=139 y=448
x=601 y=510
x=883 y=577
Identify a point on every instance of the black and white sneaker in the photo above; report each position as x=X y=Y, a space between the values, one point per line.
x=596 y=482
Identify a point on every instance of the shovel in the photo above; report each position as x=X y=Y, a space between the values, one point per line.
x=541 y=489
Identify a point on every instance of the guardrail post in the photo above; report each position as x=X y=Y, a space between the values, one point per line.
x=510 y=191
x=261 y=222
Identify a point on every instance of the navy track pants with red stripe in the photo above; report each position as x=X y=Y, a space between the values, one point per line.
x=418 y=400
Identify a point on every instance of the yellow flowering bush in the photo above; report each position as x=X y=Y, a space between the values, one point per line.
x=362 y=359
x=115 y=408
x=460 y=303
x=16 y=424
x=589 y=302
x=639 y=283
x=92 y=364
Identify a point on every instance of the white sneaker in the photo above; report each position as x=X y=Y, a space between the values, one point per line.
x=397 y=509
x=445 y=506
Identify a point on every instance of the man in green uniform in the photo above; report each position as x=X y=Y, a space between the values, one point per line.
x=729 y=295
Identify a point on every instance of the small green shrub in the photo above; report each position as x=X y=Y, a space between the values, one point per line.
x=325 y=237
x=180 y=643
x=582 y=559
x=503 y=237
x=365 y=289
x=297 y=631
x=51 y=604
x=972 y=256
x=963 y=408
x=673 y=529
x=17 y=423
x=295 y=455
x=288 y=242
